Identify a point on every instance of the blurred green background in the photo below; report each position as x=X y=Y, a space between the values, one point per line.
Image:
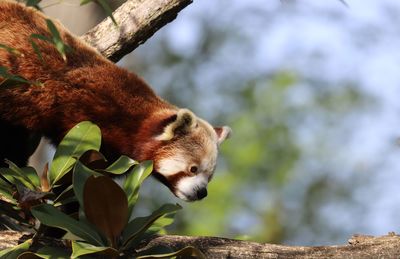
x=310 y=89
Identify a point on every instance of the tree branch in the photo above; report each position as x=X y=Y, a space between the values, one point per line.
x=137 y=21
x=216 y=247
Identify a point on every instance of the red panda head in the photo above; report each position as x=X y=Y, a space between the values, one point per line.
x=186 y=158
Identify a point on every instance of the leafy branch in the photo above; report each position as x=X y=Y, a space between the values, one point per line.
x=102 y=223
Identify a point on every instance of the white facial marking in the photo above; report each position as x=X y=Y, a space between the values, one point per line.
x=172 y=165
x=186 y=188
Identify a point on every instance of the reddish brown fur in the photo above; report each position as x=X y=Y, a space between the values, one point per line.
x=86 y=87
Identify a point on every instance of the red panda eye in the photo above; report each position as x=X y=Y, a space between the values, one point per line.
x=193 y=169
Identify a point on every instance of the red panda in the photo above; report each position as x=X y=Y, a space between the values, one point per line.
x=86 y=86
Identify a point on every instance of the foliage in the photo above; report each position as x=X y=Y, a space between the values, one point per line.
x=10 y=80
x=80 y=174
x=55 y=40
x=106 y=7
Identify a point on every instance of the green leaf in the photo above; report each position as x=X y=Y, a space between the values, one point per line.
x=28 y=173
x=138 y=226
x=186 y=252
x=123 y=164
x=107 y=9
x=6 y=191
x=81 y=248
x=10 y=50
x=57 y=41
x=13 y=252
x=34 y=3
x=11 y=79
x=84 y=136
x=49 y=252
x=80 y=174
x=16 y=178
x=46 y=252
x=133 y=181
x=50 y=216
x=65 y=197
x=158 y=226
x=40 y=37
x=32 y=175
x=35 y=48
x=66 y=193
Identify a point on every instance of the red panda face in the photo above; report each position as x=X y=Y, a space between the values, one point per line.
x=187 y=159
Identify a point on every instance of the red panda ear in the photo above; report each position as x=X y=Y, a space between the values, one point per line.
x=181 y=123
x=223 y=133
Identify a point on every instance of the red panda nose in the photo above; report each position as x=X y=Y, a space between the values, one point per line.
x=201 y=193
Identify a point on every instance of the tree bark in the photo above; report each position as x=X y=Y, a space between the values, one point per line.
x=215 y=247
x=137 y=21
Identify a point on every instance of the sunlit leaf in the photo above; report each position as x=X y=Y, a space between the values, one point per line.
x=133 y=181
x=27 y=173
x=138 y=226
x=6 y=190
x=81 y=248
x=84 y=136
x=158 y=226
x=106 y=206
x=31 y=173
x=16 y=178
x=50 y=216
x=122 y=165
x=13 y=252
